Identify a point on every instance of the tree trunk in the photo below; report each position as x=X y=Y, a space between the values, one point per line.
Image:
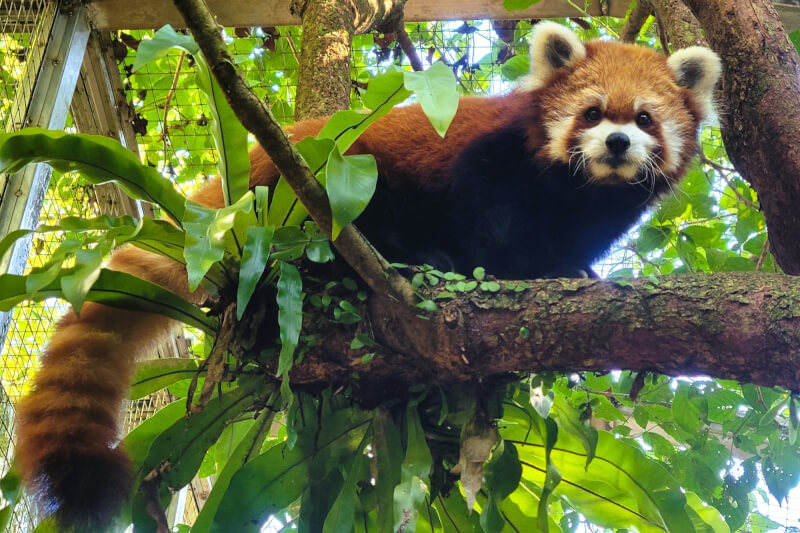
x=323 y=85
x=741 y=326
x=760 y=126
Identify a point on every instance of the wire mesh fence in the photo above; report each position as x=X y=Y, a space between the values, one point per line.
x=24 y=29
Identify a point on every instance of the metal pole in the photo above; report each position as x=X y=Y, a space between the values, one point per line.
x=23 y=192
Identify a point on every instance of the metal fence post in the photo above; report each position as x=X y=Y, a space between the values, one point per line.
x=23 y=193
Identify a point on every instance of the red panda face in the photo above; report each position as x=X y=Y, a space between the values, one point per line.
x=617 y=112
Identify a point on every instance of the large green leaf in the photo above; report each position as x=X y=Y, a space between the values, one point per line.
x=388 y=451
x=155 y=374
x=351 y=182
x=436 y=92
x=290 y=313
x=254 y=260
x=706 y=519
x=262 y=487
x=410 y=494
x=138 y=442
x=76 y=285
x=180 y=449
x=98 y=159
x=502 y=474
x=246 y=450
x=340 y=516
x=384 y=92
x=116 y=289
x=279 y=476
x=160 y=44
x=620 y=488
x=230 y=137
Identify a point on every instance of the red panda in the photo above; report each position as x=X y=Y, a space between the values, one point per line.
x=538 y=182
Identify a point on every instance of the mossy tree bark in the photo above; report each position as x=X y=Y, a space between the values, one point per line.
x=741 y=326
x=324 y=84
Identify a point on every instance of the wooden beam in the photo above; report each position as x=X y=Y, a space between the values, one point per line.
x=124 y=14
x=152 y=14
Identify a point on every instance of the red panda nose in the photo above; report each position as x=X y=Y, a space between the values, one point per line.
x=618 y=143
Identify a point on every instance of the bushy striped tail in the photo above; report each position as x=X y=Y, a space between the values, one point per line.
x=67 y=428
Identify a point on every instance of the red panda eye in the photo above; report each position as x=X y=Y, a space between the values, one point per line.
x=643 y=120
x=593 y=114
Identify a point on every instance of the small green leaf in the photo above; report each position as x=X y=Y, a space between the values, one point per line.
x=428 y=305
x=795 y=38
x=361 y=340
x=514 y=5
x=436 y=92
x=479 y=273
x=351 y=182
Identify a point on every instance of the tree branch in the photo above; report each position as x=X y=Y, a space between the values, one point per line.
x=641 y=11
x=257 y=119
x=408 y=48
x=681 y=26
x=741 y=326
x=760 y=127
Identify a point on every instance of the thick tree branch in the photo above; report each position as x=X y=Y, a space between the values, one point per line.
x=742 y=326
x=636 y=20
x=408 y=48
x=256 y=117
x=761 y=90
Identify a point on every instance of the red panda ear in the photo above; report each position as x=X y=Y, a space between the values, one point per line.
x=698 y=69
x=553 y=46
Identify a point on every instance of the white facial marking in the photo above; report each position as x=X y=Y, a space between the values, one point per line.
x=674 y=145
x=558 y=132
x=592 y=143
